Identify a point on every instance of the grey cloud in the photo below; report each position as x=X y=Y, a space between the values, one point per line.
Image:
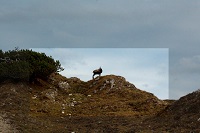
x=182 y=84
x=191 y=64
x=184 y=76
x=133 y=23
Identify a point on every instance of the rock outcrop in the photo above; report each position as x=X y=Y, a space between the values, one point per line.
x=106 y=98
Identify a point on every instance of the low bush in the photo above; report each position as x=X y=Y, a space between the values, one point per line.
x=27 y=65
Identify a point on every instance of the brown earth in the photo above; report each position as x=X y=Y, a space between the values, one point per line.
x=106 y=104
x=182 y=115
x=5 y=126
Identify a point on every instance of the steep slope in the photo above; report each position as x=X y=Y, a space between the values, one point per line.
x=14 y=102
x=181 y=116
x=113 y=95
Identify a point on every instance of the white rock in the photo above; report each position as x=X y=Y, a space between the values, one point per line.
x=63 y=106
x=72 y=104
x=63 y=85
x=107 y=81
x=51 y=94
x=13 y=89
x=112 y=83
x=34 y=97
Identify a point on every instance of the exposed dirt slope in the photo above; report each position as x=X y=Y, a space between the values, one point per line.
x=113 y=95
x=106 y=104
x=5 y=126
x=108 y=95
x=182 y=115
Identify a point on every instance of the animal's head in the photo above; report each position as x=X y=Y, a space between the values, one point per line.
x=100 y=69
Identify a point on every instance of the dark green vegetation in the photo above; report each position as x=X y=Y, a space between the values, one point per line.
x=107 y=104
x=26 y=65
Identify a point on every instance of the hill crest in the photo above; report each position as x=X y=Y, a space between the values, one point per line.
x=105 y=95
x=107 y=98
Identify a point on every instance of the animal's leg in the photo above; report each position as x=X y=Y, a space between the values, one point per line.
x=93 y=76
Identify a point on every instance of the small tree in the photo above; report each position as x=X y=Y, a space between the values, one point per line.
x=27 y=65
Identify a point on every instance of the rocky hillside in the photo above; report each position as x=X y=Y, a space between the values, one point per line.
x=182 y=115
x=106 y=104
x=116 y=96
x=107 y=95
x=61 y=97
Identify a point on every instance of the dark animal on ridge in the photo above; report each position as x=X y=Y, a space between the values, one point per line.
x=97 y=71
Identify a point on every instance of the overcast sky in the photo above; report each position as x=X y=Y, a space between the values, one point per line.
x=172 y=24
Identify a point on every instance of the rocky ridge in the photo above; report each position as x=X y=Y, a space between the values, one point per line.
x=107 y=103
x=107 y=95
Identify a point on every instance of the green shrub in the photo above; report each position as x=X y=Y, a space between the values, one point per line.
x=27 y=65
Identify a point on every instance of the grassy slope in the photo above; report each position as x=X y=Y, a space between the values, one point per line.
x=93 y=106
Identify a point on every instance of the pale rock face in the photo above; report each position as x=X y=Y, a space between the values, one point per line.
x=34 y=97
x=50 y=94
x=64 y=85
x=110 y=82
